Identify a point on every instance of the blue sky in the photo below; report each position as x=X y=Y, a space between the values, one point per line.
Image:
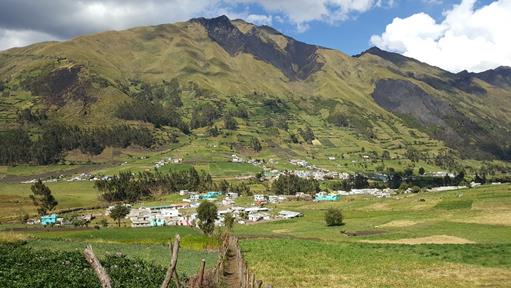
x=352 y=36
x=452 y=34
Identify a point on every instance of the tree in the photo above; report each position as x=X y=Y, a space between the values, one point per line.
x=255 y=144
x=42 y=198
x=307 y=134
x=229 y=221
x=395 y=181
x=422 y=171
x=360 y=182
x=207 y=214
x=230 y=123
x=119 y=212
x=333 y=217
x=479 y=179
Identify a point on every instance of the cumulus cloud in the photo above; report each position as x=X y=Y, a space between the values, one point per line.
x=27 y=21
x=468 y=38
x=300 y=12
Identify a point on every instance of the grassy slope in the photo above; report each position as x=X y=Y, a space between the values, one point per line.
x=183 y=51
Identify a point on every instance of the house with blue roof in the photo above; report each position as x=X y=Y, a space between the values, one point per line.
x=49 y=219
x=327 y=197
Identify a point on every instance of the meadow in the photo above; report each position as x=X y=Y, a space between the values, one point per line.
x=443 y=239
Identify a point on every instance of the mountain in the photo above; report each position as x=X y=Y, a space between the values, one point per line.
x=179 y=81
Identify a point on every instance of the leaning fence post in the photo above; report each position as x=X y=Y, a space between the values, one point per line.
x=93 y=261
x=201 y=273
x=173 y=262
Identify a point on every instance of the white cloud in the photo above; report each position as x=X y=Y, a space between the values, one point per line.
x=23 y=20
x=259 y=19
x=299 y=12
x=20 y=38
x=468 y=38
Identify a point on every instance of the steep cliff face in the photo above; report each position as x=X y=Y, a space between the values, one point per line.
x=296 y=60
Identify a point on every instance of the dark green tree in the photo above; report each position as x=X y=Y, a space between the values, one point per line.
x=207 y=214
x=229 y=221
x=230 y=123
x=118 y=213
x=422 y=171
x=255 y=144
x=42 y=198
x=334 y=217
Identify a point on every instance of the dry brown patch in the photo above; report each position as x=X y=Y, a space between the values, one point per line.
x=434 y=239
x=491 y=218
x=398 y=224
x=378 y=206
x=280 y=231
x=459 y=275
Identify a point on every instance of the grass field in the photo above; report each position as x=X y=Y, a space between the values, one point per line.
x=463 y=239
x=14 y=198
x=457 y=238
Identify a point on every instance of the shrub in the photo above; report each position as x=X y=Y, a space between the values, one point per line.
x=333 y=217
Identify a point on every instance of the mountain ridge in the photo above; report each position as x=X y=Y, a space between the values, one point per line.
x=227 y=66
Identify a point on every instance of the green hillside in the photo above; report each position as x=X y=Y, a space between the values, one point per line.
x=209 y=88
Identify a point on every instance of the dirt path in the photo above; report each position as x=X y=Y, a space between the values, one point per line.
x=231 y=274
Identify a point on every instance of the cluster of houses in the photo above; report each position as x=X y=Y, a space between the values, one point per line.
x=168 y=160
x=237 y=159
x=54 y=219
x=380 y=193
x=164 y=215
x=184 y=215
x=80 y=177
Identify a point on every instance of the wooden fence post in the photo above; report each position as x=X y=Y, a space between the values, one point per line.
x=93 y=261
x=201 y=273
x=173 y=262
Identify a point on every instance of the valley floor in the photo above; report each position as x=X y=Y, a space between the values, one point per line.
x=436 y=239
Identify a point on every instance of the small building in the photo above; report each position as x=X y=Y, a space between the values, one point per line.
x=169 y=212
x=259 y=216
x=232 y=195
x=289 y=214
x=327 y=197
x=213 y=194
x=251 y=210
x=259 y=198
x=140 y=217
x=49 y=219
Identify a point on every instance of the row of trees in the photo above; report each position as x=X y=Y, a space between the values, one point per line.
x=154 y=113
x=290 y=184
x=18 y=146
x=130 y=187
x=358 y=181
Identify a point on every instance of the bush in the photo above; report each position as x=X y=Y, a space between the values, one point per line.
x=333 y=217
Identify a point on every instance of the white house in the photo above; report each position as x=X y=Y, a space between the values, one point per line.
x=259 y=216
x=232 y=195
x=289 y=214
